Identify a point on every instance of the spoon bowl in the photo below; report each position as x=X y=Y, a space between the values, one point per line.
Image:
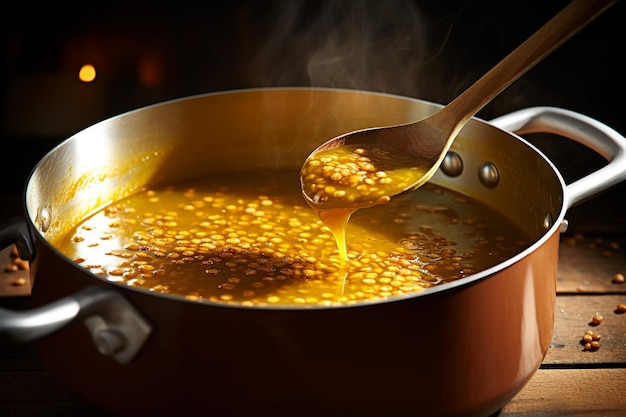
x=369 y=167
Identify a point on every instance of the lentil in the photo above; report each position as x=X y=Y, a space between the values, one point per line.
x=591 y=340
x=285 y=254
x=355 y=176
x=19 y=282
x=17 y=263
x=596 y=319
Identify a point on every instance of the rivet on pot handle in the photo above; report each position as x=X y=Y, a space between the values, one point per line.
x=589 y=132
x=117 y=329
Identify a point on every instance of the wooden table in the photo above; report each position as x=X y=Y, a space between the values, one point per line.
x=571 y=381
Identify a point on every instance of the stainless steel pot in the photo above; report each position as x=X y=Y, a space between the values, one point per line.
x=463 y=348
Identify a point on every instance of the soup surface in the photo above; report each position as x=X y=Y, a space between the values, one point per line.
x=251 y=239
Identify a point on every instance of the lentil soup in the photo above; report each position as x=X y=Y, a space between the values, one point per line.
x=358 y=176
x=251 y=239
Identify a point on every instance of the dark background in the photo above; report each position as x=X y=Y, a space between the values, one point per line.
x=147 y=52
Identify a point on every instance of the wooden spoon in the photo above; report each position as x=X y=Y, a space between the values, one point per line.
x=424 y=144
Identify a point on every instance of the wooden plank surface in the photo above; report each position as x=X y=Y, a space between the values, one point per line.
x=589 y=263
x=14 y=275
x=573 y=381
x=572 y=319
x=571 y=392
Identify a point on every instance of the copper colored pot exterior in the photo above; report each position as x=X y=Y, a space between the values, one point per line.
x=464 y=349
x=462 y=352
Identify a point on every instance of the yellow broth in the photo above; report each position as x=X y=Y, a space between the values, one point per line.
x=338 y=181
x=251 y=239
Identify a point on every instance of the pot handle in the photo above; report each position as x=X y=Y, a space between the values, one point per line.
x=117 y=329
x=16 y=231
x=589 y=132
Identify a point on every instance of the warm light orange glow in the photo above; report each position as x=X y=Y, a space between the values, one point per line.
x=87 y=73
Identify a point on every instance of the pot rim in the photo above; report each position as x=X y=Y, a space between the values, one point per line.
x=448 y=286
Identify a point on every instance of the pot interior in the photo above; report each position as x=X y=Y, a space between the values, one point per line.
x=250 y=129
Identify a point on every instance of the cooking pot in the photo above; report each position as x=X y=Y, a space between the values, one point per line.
x=462 y=348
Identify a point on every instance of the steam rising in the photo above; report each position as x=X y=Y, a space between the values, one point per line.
x=431 y=50
x=366 y=45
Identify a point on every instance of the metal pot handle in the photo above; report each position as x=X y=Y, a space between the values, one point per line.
x=117 y=329
x=595 y=135
x=15 y=231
